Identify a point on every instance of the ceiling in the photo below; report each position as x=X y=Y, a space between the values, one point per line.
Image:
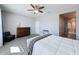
x=22 y=8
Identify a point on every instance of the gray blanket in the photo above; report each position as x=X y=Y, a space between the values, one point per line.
x=33 y=42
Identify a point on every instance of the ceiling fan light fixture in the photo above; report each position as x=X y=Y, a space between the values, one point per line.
x=35 y=11
x=36 y=8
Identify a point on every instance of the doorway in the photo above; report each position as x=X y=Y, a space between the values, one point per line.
x=67 y=25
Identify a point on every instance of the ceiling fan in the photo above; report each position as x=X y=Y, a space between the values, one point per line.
x=36 y=8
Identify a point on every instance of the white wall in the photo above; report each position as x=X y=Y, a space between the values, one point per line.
x=1 y=36
x=11 y=21
x=50 y=20
x=77 y=24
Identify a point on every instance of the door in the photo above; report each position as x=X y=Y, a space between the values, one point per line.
x=67 y=25
x=1 y=36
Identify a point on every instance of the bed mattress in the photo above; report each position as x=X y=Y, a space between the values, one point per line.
x=55 y=45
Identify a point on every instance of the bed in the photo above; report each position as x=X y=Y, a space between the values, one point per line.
x=55 y=45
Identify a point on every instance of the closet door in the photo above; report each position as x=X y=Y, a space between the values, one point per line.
x=1 y=36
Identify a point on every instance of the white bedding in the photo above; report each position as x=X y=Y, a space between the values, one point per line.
x=54 y=45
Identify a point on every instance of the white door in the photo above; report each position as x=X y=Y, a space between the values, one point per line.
x=1 y=36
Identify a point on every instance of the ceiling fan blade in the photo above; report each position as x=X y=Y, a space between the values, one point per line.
x=40 y=11
x=37 y=6
x=30 y=10
x=41 y=7
x=32 y=5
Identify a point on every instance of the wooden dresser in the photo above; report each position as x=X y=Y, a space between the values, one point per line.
x=23 y=31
